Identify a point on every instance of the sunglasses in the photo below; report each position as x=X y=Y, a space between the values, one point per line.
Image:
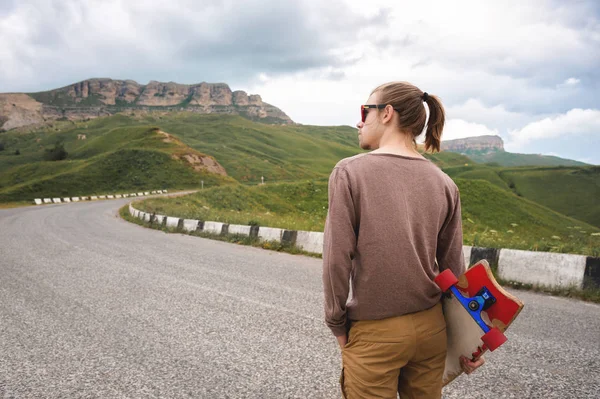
x=364 y=110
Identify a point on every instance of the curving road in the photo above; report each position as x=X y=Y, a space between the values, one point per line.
x=93 y=306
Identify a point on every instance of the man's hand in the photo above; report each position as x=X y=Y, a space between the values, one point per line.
x=342 y=340
x=468 y=366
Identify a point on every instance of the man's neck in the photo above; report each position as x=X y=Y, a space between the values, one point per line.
x=398 y=150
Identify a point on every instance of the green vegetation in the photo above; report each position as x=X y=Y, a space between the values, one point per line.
x=503 y=158
x=123 y=170
x=477 y=171
x=133 y=153
x=56 y=153
x=296 y=206
x=109 y=159
x=247 y=150
x=492 y=217
x=250 y=150
x=571 y=191
x=60 y=98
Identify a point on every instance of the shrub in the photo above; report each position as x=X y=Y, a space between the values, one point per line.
x=57 y=153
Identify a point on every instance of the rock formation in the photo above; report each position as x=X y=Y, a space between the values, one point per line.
x=479 y=143
x=100 y=97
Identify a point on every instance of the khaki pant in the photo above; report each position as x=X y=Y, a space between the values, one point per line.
x=404 y=354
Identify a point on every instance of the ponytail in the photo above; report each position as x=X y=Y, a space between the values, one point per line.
x=435 y=124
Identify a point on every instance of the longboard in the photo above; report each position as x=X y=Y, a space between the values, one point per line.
x=477 y=311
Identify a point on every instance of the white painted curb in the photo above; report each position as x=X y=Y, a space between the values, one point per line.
x=239 y=229
x=311 y=241
x=172 y=222
x=270 y=233
x=40 y=201
x=542 y=268
x=213 y=227
x=190 y=224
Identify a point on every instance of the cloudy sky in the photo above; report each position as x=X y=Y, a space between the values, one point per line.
x=527 y=71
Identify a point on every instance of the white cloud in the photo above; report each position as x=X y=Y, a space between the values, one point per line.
x=458 y=129
x=531 y=38
x=574 y=122
x=475 y=110
x=571 y=81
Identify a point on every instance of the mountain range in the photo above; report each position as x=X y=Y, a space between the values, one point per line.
x=104 y=97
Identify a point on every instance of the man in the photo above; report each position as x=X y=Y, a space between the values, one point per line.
x=393 y=218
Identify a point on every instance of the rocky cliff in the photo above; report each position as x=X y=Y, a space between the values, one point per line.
x=100 y=97
x=479 y=144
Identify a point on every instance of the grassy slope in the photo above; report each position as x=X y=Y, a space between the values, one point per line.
x=509 y=159
x=111 y=159
x=492 y=216
x=250 y=150
x=247 y=150
x=477 y=171
x=571 y=191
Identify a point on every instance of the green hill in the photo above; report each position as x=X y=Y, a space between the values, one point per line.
x=115 y=159
x=568 y=190
x=492 y=217
x=504 y=158
x=572 y=191
x=247 y=150
x=478 y=171
x=147 y=151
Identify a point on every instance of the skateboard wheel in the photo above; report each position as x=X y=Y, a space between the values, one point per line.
x=493 y=339
x=445 y=280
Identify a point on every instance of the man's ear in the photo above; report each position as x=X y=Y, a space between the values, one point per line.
x=388 y=114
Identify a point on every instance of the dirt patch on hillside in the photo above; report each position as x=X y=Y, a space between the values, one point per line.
x=168 y=138
x=203 y=162
x=197 y=161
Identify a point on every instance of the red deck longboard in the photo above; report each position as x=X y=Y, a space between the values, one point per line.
x=491 y=308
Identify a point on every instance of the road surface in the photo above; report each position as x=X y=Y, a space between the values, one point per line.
x=94 y=306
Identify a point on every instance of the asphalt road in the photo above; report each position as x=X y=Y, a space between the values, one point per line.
x=93 y=306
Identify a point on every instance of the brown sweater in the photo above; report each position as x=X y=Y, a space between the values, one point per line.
x=390 y=217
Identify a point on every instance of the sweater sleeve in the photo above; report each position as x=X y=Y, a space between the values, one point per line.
x=450 y=241
x=339 y=245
